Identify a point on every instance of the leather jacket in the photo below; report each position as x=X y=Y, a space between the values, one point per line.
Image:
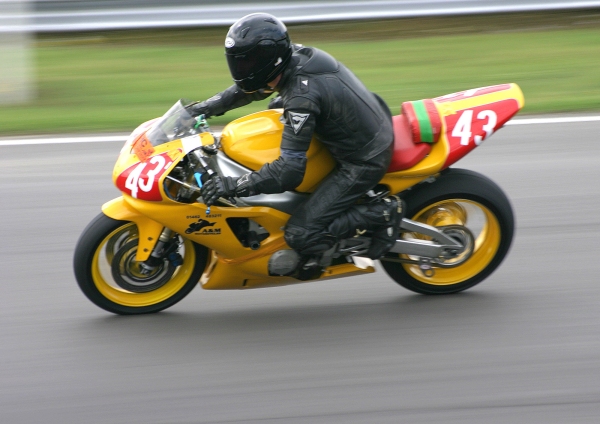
x=320 y=97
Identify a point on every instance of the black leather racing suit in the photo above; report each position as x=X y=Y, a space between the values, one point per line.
x=320 y=97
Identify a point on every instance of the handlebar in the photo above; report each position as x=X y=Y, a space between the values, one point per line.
x=202 y=169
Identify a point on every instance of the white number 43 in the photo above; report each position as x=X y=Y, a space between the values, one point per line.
x=134 y=180
x=462 y=129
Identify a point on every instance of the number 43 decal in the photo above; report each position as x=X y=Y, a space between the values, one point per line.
x=141 y=179
x=464 y=127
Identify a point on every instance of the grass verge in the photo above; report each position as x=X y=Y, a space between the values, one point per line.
x=113 y=81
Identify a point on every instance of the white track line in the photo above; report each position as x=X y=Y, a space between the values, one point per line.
x=23 y=141
x=557 y=120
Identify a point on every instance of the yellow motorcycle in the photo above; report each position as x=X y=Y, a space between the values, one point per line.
x=149 y=248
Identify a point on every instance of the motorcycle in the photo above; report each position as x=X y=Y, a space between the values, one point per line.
x=149 y=248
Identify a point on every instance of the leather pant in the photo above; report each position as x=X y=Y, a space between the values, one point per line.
x=330 y=213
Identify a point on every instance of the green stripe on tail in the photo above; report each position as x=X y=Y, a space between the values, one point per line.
x=425 y=126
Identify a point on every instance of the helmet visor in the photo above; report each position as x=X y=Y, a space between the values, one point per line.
x=253 y=66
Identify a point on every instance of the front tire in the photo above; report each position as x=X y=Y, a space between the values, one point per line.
x=100 y=252
x=457 y=198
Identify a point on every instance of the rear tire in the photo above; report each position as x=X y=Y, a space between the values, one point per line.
x=105 y=241
x=464 y=198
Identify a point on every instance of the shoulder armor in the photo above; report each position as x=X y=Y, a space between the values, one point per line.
x=317 y=61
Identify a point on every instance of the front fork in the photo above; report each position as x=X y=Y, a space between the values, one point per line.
x=165 y=247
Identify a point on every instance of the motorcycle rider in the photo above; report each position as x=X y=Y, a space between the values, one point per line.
x=319 y=97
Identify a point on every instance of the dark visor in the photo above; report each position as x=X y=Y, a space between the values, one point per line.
x=245 y=65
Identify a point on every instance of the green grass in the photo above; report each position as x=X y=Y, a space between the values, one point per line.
x=114 y=81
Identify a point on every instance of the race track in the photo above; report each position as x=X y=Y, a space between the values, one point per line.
x=522 y=347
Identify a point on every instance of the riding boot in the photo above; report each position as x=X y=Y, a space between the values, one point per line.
x=381 y=217
x=385 y=236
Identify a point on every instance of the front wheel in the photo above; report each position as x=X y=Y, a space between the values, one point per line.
x=458 y=199
x=107 y=273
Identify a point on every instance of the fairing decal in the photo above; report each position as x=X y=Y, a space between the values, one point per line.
x=142 y=180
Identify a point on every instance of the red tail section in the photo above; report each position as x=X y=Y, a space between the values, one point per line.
x=463 y=120
x=474 y=115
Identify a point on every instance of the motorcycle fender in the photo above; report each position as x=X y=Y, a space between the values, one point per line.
x=148 y=229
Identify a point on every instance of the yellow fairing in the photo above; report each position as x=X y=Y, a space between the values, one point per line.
x=513 y=91
x=233 y=265
x=148 y=229
x=255 y=139
x=126 y=208
x=432 y=164
x=173 y=148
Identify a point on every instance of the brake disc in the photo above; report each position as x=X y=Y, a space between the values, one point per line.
x=130 y=276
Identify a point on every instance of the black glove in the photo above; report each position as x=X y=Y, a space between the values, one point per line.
x=198 y=109
x=217 y=187
x=276 y=103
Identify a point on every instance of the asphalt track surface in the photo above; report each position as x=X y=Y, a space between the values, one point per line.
x=522 y=347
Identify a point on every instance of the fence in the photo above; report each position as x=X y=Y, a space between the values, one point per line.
x=63 y=16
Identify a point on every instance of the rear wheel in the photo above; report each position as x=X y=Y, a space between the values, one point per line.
x=463 y=202
x=107 y=273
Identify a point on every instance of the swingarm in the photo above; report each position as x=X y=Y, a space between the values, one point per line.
x=442 y=241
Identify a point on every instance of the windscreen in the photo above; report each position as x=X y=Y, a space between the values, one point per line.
x=176 y=123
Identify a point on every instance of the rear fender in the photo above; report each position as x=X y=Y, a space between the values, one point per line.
x=148 y=229
x=470 y=117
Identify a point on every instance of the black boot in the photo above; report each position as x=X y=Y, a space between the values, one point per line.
x=382 y=217
x=385 y=235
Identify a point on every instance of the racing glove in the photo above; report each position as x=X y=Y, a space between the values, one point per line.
x=226 y=187
x=218 y=187
x=198 y=109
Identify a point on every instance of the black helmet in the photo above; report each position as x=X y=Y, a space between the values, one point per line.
x=257 y=48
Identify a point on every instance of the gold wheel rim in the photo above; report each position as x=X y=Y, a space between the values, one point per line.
x=101 y=272
x=482 y=223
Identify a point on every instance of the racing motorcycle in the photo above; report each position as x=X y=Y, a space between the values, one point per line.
x=149 y=248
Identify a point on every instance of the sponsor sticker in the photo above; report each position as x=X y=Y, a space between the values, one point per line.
x=142 y=148
x=203 y=226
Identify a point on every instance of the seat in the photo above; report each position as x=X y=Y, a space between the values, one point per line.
x=406 y=153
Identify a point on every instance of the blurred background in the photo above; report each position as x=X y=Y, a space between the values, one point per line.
x=107 y=65
x=522 y=347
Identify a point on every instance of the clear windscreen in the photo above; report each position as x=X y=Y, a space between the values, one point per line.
x=176 y=123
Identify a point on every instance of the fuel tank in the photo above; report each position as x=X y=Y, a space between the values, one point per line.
x=254 y=140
